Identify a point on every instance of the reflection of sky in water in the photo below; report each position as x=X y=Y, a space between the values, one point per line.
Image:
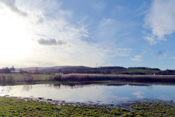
x=93 y=93
x=1 y=89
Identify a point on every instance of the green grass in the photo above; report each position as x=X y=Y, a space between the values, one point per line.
x=141 y=71
x=11 y=107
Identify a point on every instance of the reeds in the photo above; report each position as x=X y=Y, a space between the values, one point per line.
x=101 y=77
x=86 y=77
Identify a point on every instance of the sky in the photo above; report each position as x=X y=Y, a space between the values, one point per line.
x=129 y=33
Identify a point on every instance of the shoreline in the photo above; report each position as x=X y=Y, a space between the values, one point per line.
x=88 y=103
x=26 y=107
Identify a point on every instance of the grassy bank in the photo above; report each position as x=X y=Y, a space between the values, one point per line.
x=14 y=78
x=12 y=107
x=39 y=78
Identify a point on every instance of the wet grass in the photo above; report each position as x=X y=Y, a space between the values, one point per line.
x=12 y=107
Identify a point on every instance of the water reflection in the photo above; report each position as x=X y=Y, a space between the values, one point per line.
x=71 y=86
x=1 y=89
x=138 y=94
x=8 y=89
x=91 y=92
x=27 y=87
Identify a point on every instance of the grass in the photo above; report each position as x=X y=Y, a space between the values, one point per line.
x=140 y=71
x=12 y=107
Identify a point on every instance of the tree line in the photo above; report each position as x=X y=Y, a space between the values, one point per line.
x=7 y=70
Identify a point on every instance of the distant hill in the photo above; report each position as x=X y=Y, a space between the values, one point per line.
x=54 y=69
x=39 y=68
x=97 y=70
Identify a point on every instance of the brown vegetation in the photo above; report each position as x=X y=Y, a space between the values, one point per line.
x=98 y=77
x=26 y=77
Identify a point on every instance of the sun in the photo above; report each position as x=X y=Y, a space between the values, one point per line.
x=14 y=39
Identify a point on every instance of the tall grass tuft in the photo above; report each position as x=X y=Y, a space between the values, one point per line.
x=2 y=78
x=28 y=78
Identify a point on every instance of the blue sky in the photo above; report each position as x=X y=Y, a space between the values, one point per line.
x=87 y=32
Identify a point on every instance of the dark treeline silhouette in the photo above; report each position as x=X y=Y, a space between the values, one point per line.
x=102 y=70
x=167 y=72
x=7 y=70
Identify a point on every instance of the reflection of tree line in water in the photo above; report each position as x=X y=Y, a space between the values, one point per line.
x=72 y=86
x=80 y=85
x=24 y=88
x=27 y=88
x=8 y=88
x=58 y=86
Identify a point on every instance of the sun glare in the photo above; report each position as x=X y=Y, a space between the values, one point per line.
x=13 y=36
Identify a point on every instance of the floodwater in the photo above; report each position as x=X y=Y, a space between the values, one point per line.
x=103 y=94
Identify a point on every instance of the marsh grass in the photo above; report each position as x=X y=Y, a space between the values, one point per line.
x=33 y=78
x=103 y=77
x=25 y=77
x=12 y=107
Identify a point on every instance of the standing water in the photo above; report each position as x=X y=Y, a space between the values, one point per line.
x=91 y=93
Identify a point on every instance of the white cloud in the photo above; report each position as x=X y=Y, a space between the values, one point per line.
x=151 y=38
x=160 y=20
x=137 y=58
